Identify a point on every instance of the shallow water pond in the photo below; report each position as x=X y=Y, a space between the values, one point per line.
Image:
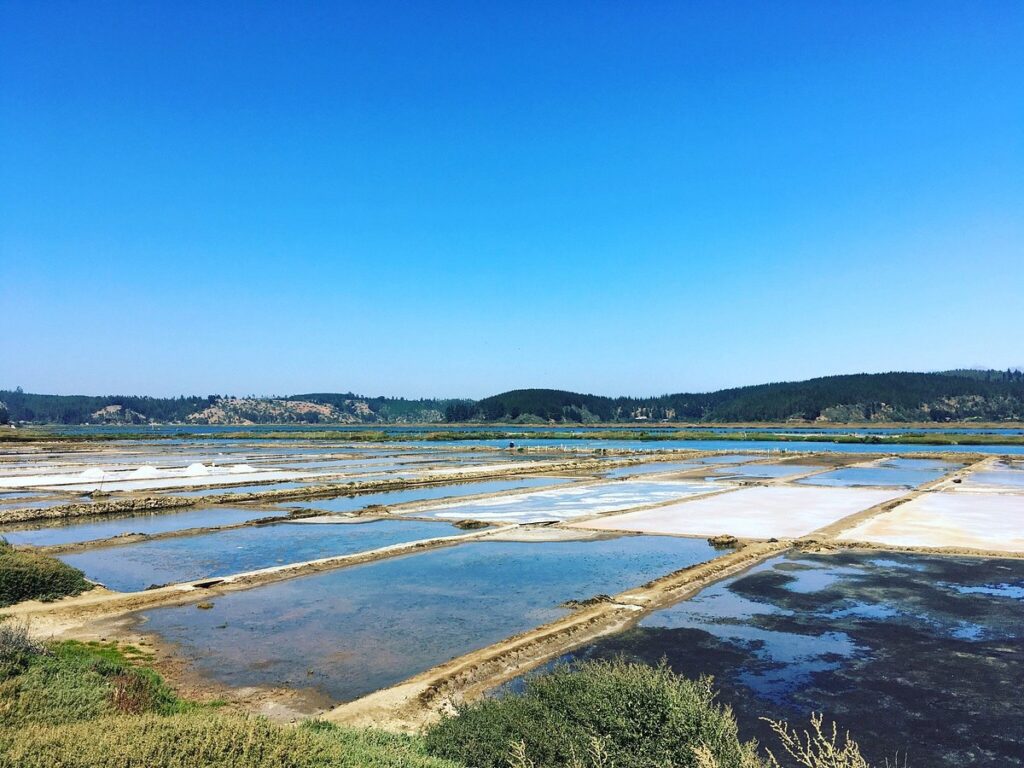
x=349 y=632
x=927 y=464
x=647 y=469
x=36 y=503
x=73 y=530
x=426 y=493
x=881 y=477
x=132 y=567
x=763 y=471
x=1003 y=479
x=924 y=655
x=259 y=488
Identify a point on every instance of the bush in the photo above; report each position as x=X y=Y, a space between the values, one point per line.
x=70 y=682
x=77 y=705
x=205 y=740
x=598 y=713
x=30 y=576
x=17 y=648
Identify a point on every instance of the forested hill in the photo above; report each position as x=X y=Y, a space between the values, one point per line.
x=323 y=408
x=955 y=395
x=949 y=396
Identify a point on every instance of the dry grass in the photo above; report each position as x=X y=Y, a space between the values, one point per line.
x=206 y=740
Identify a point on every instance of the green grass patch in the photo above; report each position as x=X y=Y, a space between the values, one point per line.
x=90 y=705
x=68 y=682
x=204 y=740
x=32 y=576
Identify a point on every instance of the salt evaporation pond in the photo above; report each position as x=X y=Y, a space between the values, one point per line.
x=132 y=567
x=426 y=493
x=567 y=503
x=922 y=464
x=921 y=655
x=260 y=488
x=772 y=446
x=74 y=530
x=647 y=469
x=764 y=471
x=878 y=477
x=28 y=503
x=366 y=627
x=996 y=479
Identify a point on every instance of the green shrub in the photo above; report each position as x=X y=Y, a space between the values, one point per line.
x=72 y=681
x=31 y=576
x=78 y=705
x=17 y=648
x=206 y=740
x=600 y=712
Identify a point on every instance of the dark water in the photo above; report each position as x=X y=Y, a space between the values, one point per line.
x=349 y=632
x=427 y=493
x=133 y=567
x=924 y=655
x=73 y=530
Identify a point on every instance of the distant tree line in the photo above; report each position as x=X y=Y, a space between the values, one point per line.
x=951 y=395
x=78 y=409
x=888 y=396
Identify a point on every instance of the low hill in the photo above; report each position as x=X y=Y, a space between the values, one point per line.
x=985 y=396
x=967 y=395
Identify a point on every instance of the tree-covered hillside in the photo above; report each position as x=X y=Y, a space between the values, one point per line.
x=325 y=408
x=949 y=396
x=858 y=397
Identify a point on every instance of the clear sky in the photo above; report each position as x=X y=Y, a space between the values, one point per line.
x=461 y=198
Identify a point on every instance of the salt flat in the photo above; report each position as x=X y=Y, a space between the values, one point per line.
x=568 y=502
x=755 y=513
x=148 y=477
x=965 y=520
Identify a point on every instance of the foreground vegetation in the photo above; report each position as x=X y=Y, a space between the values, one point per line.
x=75 y=705
x=631 y=715
x=31 y=576
x=72 y=705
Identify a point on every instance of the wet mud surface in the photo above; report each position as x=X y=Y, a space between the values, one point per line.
x=913 y=654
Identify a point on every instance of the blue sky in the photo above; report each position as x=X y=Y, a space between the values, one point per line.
x=460 y=198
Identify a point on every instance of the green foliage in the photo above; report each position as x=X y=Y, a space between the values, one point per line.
x=31 y=576
x=77 y=409
x=71 y=681
x=76 y=705
x=633 y=716
x=205 y=740
x=953 y=395
x=860 y=397
x=17 y=649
